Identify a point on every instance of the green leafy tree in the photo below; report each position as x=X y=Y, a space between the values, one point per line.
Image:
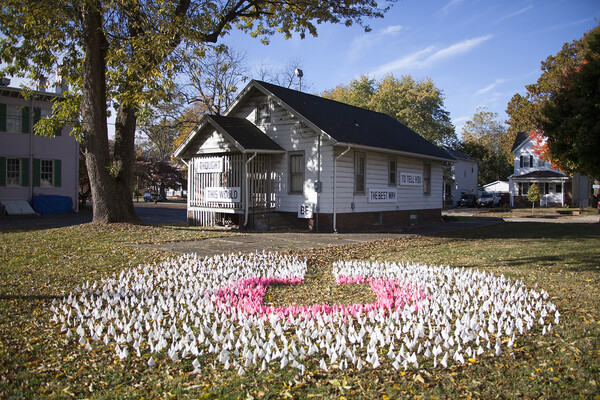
x=562 y=105
x=570 y=120
x=533 y=195
x=125 y=54
x=417 y=104
x=484 y=137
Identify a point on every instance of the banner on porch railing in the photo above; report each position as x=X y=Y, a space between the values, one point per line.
x=223 y=194
x=212 y=164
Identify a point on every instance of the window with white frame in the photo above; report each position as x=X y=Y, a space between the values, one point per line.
x=13 y=172
x=360 y=170
x=296 y=172
x=392 y=171
x=426 y=178
x=46 y=173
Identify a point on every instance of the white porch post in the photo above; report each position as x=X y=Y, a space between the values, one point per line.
x=562 y=192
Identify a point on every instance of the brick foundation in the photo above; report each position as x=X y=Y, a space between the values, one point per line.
x=366 y=221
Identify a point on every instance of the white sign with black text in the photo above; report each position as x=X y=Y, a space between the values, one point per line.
x=382 y=195
x=411 y=179
x=223 y=194
x=305 y=210
x=212 y=164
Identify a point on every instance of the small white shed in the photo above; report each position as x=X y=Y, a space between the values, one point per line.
x=317 y=163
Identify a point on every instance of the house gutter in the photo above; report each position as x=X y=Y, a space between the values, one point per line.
x=334 y=185
x=246 y=194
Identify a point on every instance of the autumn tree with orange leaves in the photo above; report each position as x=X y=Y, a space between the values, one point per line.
x=562 y=110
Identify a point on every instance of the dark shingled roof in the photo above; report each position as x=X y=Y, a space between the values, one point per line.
x=244 y=132
x=542 y=174
x=458 y=154
x=354 y=125
x=521 y=137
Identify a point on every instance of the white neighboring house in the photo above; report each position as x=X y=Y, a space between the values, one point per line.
x=556 y=188
x=498 y=187
x=317 y=163
x=32 y=165
x=460 y=176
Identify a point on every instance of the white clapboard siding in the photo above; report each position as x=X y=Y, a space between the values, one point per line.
x=408 y=197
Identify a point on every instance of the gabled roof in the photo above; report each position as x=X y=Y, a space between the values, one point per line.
x=519 y=139
x=458 y=154
x=243 y=134
x=348 y=125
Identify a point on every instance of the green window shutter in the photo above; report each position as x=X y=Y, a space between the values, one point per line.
x=37 y=115
x=2 y=171
x=24 y=171
x=25 y=120
x=57 y=173
x=2 y=117
x=36 y=172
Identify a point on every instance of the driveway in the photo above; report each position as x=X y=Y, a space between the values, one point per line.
x=149 y=213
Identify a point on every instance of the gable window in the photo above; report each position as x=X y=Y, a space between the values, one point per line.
x=392 y=171
x=359 y=172
x=263 y=113
x=426 y=178
x=13 y=172
x=296 y=172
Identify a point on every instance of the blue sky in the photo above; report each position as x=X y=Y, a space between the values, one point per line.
x=479 y=53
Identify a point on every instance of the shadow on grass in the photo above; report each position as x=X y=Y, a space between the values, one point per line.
x=527 y=230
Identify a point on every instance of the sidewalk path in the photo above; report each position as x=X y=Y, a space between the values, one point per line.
x=280 y=241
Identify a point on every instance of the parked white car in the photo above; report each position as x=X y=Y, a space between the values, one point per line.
x=488 y=200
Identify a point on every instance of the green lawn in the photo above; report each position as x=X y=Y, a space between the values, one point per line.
x=36 y=360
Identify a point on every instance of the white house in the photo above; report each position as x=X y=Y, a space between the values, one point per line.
x=30 y=165
x=318 y=163
x=460 y=176
x=556 y=188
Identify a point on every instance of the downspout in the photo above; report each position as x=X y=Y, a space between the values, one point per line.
x=320 y=188
x=334 y=185
x=246 y=194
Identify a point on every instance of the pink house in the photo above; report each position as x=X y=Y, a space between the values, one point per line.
x=32 y=165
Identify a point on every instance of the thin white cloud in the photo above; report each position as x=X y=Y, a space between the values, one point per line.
x=448 y=6
x=428 y=56
x=490 y=86
x=371 y=39
x=567 y=25
x=521 y=11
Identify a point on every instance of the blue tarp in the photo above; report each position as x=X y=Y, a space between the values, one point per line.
x=52 y=204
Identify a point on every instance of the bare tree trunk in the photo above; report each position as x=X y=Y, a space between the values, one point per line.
x=108 y=183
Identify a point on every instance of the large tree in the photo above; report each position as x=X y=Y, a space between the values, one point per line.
x=417 y=104
x=124 y=54
x=563 y=107
x=484 y=137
